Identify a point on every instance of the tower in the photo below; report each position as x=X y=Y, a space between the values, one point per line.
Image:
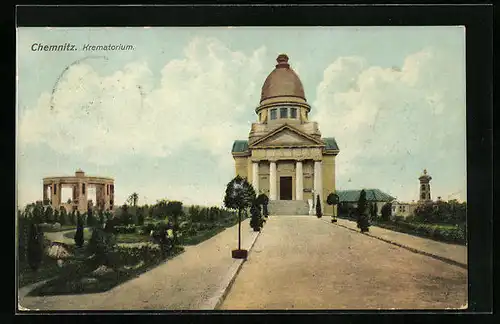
x=425 y=187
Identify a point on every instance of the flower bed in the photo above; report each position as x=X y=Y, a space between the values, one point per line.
x=125 y=262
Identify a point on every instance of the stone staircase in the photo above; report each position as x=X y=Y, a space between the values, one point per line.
x=288 y=207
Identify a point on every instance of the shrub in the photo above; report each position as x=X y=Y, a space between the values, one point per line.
x=79 y=230
x=125 y=229
x=100 y=244
x=319 y=213
x=63 y=215
x=255 y=221
x=35 y=247
x=48 y=215
x=386 y=211
x=263 y=200
x=363 y=223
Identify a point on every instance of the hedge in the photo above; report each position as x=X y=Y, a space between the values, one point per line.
x=440 y=233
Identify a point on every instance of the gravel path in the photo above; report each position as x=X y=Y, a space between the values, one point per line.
x=185 y=282
x=301 y=262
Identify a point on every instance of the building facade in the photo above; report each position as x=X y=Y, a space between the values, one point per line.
x=285 y=156
x=80 y=183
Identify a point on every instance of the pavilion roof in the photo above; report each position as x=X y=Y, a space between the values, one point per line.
x=374 y=195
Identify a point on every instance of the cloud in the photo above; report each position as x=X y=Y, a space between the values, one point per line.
x=390 y=119
x=199 y=100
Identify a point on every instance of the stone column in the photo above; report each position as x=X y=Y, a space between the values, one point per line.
x=318 y=183
x=272 y=180
x=299 y=181
x=255 y=176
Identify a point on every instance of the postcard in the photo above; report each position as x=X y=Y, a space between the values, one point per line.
x=237 y=168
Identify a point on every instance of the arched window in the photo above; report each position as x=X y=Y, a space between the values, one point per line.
x=293 y=113
x=423 y=196
x=422 y=187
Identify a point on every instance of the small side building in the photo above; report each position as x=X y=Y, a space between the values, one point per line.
x=403 y=209
x=348 y=200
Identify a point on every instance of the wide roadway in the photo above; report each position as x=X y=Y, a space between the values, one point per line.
x=302 y=262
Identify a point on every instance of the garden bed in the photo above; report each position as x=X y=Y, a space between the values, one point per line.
x=48 y=269
x=82 y=277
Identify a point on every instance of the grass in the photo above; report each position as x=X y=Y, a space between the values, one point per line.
x=69 y=280
x=87 y=233
x=63 y=228
x=201 y=236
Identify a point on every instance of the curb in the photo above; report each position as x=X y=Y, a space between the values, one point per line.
x=435 y=256
x=216 y=301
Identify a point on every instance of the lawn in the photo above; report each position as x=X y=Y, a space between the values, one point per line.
x=63 y=228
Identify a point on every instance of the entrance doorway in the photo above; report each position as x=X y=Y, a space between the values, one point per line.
x=285 y=188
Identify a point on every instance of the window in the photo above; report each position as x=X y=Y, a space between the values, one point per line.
x=273 y=114
x=83 y=188
x=55 y=189
x=423 y=196
x=423 y=187
x=260 y=117
x=283 y=112
x=293 y=112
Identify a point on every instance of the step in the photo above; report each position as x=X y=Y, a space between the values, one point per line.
x=288 y=207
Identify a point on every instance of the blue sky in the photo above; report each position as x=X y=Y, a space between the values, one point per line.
x=161 y=118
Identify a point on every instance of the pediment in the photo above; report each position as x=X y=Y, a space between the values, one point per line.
x=286 y=136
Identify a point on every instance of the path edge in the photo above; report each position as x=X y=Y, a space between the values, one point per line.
x=217 y=300
x=409 y=248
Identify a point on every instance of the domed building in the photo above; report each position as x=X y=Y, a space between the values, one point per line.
x=285 y=156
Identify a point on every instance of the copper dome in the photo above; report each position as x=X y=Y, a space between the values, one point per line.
x=282 y=82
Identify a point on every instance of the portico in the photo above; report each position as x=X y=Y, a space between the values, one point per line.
x=285 y=156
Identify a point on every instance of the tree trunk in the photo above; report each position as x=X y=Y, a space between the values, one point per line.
x=239 y=229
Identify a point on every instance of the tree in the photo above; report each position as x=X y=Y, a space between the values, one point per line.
x=72 y=218
x=175 y=210
x=133 y=199
x=125 y=215
x=263 y=200
x=363 y=223
x=101 y=218
x=240 y=195
x=48 y=215
x=386 y=211
x=319 y=213
x=332 y=200
x=35 y=247
x=140 y=217
x=90 y=217
x=37 y=214
x=56 y=217
x=79 y=230
x=62 y=216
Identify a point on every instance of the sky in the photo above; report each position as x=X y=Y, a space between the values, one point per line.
x=161 y=117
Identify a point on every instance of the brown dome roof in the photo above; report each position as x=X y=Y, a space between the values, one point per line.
x=282 y=82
